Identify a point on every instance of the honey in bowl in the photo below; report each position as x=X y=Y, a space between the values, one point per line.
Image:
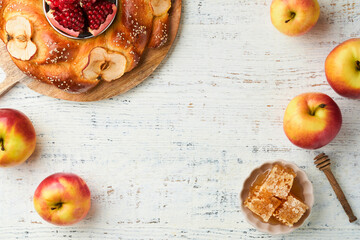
x=276 y=196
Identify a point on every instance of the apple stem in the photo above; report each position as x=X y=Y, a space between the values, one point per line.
x=2 y=144
x=57 y=206
x=358 y=65
x=292 y=15
x=312 y=113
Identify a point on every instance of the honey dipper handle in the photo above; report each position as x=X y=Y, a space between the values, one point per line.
x=7 y=84
x=340 y=195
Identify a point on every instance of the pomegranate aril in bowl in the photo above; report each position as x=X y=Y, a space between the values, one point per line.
x=80 y=19
x=87 y=3
x=69 y=20
x=100 y=15
x=61 y=4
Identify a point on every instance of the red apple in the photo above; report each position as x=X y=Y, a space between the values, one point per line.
x=62 y=199
x=294 y=17
x=342 y=68
x=312 y=120
x=17 y=137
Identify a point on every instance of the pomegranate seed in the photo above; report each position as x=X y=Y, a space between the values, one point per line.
x=72 y=14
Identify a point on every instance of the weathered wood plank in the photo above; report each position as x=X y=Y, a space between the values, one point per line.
x=167 y=159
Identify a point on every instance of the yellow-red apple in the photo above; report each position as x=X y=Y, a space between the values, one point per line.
x=62 y=199
x=17 y=137
x=294 y=17
x=312 y=120
x=342 y=68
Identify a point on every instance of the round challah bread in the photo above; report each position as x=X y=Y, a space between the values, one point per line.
x=77 y=65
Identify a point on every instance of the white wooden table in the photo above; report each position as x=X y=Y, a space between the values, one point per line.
x=167 y=160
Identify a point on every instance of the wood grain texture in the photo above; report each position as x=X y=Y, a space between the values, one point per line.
x=167 y=159
x=150 y=61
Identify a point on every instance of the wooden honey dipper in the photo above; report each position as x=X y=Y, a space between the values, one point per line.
x=322 y=162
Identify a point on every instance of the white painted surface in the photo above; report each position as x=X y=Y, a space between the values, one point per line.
x=167 y=160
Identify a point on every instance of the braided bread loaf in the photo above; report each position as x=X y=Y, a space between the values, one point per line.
x=79 y=65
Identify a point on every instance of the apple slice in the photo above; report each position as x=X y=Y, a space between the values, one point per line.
x=19 y=33
x=160 y=7
x=103 y=65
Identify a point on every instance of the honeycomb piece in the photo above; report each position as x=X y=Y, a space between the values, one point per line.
x=262 y=203
x=290 y=211
x=279 y=181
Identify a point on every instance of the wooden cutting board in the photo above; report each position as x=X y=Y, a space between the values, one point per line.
x=150 y=61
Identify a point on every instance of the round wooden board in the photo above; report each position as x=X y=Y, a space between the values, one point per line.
x=150 y=61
